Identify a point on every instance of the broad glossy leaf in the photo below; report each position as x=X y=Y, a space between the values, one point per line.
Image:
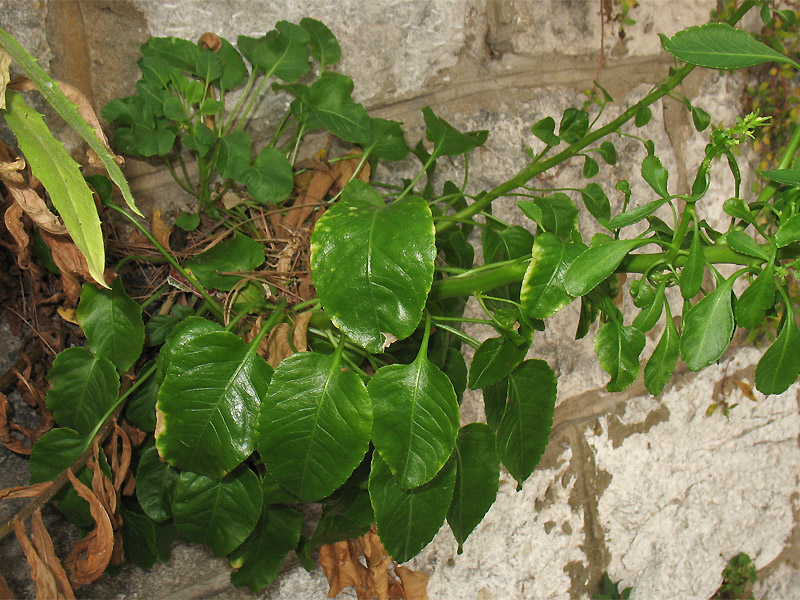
x=495 y=398
x=780 y=365
x=455 y=367
x=655 y=174
x=543 y=293
x=595 y=264
x=219 y=513
x=281 y=52
x=708 y=327
x=233 y=157
x=257 y=560
x=494 y=359
x=347 y=517
x=788 y=232
x=242 y=253
x=477 y=474
x=209 y=402
x=524 y=429
x=408 y=519
x=61 y=177
x=559 y=214
x=744 y=244
x=140 y=408
x=372 y=264
x=141 y=535
x=691 y=277
x=506 y=244
x=386 y=140
x=596 y=202
x=324 y=47
x=315 y=425
x=83 y=389
x=330 y=100
x=720 y=46
x=155 y=484
x=618 y=347
x=112 y=323
x=662 y=362
x=416 y=419
x=757 y=299
x=447 y=140
x=269 y=180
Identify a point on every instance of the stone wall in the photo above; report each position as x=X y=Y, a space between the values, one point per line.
x=650 y=490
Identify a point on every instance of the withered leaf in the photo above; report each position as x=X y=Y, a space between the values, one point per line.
x=46 y=586
x=300 y=330
x=160 y=230
x=415 y=583
x=341 y=569
x=210 y=40
x=70 y=262
x=90 y=556
x=44 y=546
x=5 y=591
x=343 y=171
x=5 y=76
x=746 y=389
x=24 y=491
x=278 y=346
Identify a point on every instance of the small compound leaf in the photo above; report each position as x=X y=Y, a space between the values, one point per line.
x=544 y=130
x=155 y=484
x=608 y=152
x=720 y=46
x=757 y=299
x=595 y=264
x=372 y=264
x=618 y=347
x=83 y=389
x=691 y=277
x=524 y=429
x=543 y=293
x=708 y=327
x=324 y=47
x=700 y=118
x=590 y=167
x=642 y=116
x=447 y=140
x=113 y=324
x=662 y=362
x=242 y=253
x=315 y=425
x=346 y=517
x=780 y=365
x=574 y=125
x=738 y=209
x=407 y=520
x=655 y=175
x=219 y=513
x=209 y=402
x=477 y=474
x=270 y=178
x=559 y=215
x=596 y=202
x=416 y=420
x=494 y=359
x=257 y=560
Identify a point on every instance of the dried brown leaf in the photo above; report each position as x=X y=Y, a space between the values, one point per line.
x=341 y=569
x=90 y=555
x=68 y=314
x=160 y=230
x=415 y=583
x=343 y=171
x=16 y=227
x=278 y=346
x=102 y=487
x=44 y=546
x=46 y=586
x=24 y=491
x=210 y=40
x=120 y=456
x=5 y=591
x=746 y=389
x=70 y=261
x=300 y=331
x=5 y=77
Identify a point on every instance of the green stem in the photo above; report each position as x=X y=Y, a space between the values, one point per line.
x=414 y=181
x=423 y=347
x=786 y=160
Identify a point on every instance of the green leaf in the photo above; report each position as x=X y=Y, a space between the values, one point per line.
x=642 y=116
x=447 y=140
x=234 y=70
x=596 y=202
x=495 y=398
x=691 y=277
x=738 y=209
x=524 y=429
x=544 y=130
x=455 y=367
x=506 y=244
x=634 y=215
x=61 y=177
x=559 y=214
x=720 y=46
x=618 y=347
x=372 y=264
x=477 y=475
x=155 y=484
x=155 y=70
x=348 y=516
x=655 y=175
x=84 y=388
x=494 y=359
x=257 y=560
x=188 y=221
x=788 y=232
x=543 y=293
x=324 y=47
x=219 y=513
x=574 y=125
x=590 y=167
x=595 y=264
x=608 y=152
x=416 y=419
x=281 y=52
x=112 y=323
x=649 y=316
x=330 y=100
x=642 y=293
x=208 y=65
x=140 y=409
x=757 y=299
x=177 y=52
x=315 y=424
x=744 y=244
x=780 y=365
x=407 y=520
x=783 y=176
x=700 y=118
x=662 y=362
x=708 y=327
x=242 y=253
x=269 y=180
x=142 y=538
x=386 y=140
x=209 y=400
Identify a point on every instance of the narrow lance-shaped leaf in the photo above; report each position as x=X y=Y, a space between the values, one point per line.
x=315 y=424
x=524 y=429
x=618 y=347
x=780 y=365
x=595 y=264
x=662 y=362
x=372 y=264
x=757 y=299
x=691 y=277
x=477 y=474
x=209 y=400
x=708 y=327
x=61 y=177
x=408 y=519
x=650 y=315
